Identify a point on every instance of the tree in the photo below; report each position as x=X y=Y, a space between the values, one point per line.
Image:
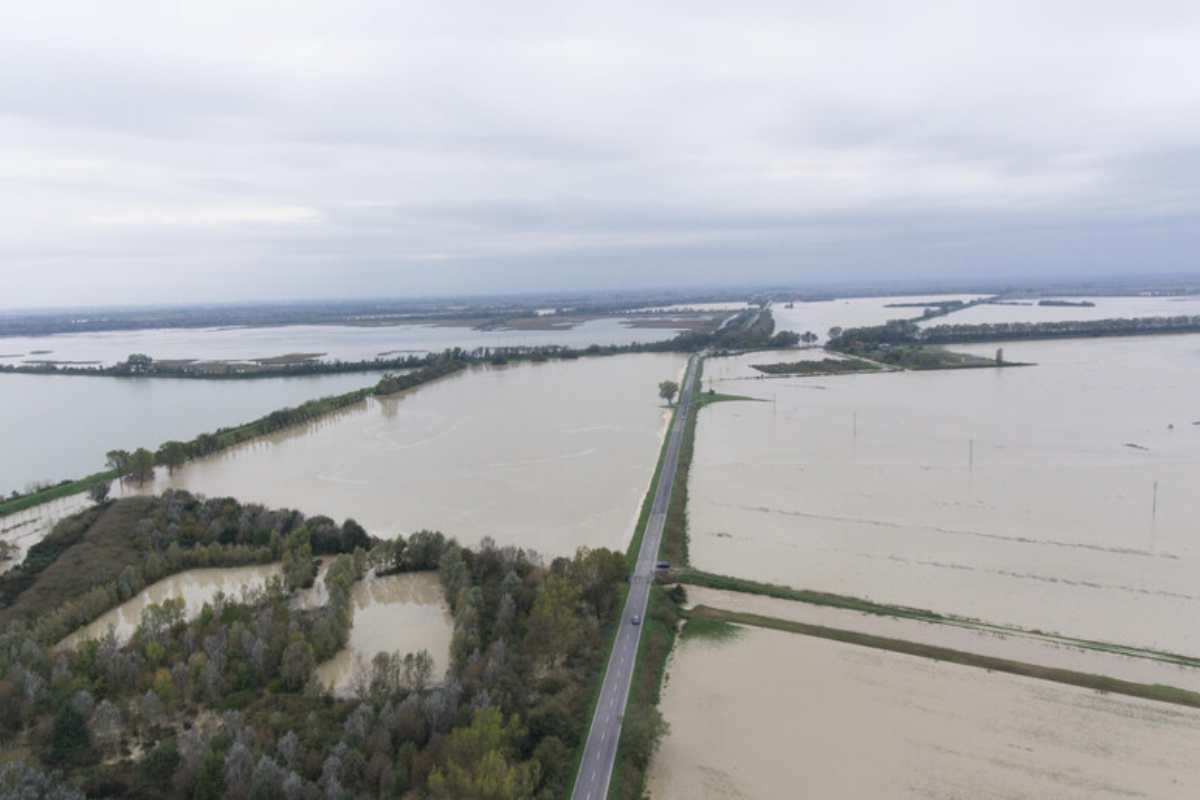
x=554 y=624
x=118 y=460
x=99 y=492
x=480 y=761
x=667 y=390
x=139 y=362
x=297 y=664
x=141 y=465
x=70 y=743
x=160 y=764
x=808 y=337
x=642 y=731
x=171 y=454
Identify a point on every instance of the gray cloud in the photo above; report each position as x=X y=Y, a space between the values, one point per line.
x=152 y=152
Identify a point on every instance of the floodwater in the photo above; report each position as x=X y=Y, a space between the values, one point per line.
x=26 y=528
x=549 y=456
x=335 y=342
x=851 y=312
x=1105 y=308
x=397 y=613
x=195 y=587
x=1060 y=497
x=1020 y=646
x=54 y=427
x=774 y=714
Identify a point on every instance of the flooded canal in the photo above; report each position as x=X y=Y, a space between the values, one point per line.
x=195 y=587
x=393 y=614
x=773 y=714
x=550 y=456
x=1059 y=497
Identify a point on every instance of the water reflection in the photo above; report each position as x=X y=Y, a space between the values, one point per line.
x=195 y=587
x=397 y=613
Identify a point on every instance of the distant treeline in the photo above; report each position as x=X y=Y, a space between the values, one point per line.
x=1000 y=331
x=905 y=332
x=141 y=366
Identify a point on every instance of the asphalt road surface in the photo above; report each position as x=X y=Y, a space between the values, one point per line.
x=595 y=770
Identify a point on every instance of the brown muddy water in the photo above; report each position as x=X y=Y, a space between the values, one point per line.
x=549 y=456
x=26 y=528
x=393 y=614
x=774 y=714
x=195 y=587
x=1060 y=497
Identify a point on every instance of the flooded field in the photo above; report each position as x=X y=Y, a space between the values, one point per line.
x=1025 y=647
x=550 y=456
x=195 y=587
x=62 y=426
x=774 y=714
x=334 y=342
x=1059 y=497
x=397 y=613
x=851 y=312
x=1104 y=308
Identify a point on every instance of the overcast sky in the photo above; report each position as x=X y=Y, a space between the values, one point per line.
x=180 y=151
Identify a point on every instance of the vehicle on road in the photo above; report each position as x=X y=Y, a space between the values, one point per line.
x=637 y=620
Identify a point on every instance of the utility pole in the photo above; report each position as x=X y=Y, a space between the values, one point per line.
x=1153 y=516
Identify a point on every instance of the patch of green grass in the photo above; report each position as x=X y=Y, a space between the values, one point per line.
x=712 y=629
x=64 y=489
x=1100 y=683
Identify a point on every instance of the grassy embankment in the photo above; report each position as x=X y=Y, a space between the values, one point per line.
x=1101 y=683
x=862 y=605
x=64 y=489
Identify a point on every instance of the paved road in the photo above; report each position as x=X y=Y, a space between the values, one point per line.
x=595 y=770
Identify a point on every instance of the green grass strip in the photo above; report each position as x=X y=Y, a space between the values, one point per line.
x=65 y=489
